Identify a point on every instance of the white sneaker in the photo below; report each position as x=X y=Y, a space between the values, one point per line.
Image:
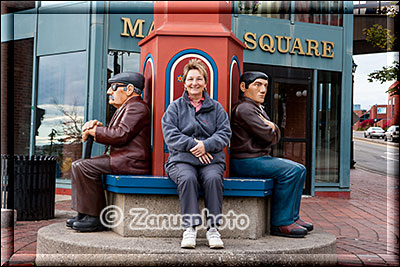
x=214 y=238
x=189 y=238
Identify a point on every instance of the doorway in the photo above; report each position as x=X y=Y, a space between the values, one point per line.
x=289 y=104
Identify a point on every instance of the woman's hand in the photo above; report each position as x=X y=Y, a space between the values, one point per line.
x=206 y=158
x=198 y=150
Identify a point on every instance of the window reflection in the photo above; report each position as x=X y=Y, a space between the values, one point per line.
x=52 y=3
x=120 y=61
x=319 y=12
x=268 y=9
x=60 y=108
x=328 y=127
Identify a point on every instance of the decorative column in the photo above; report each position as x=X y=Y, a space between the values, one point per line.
x=184 y=30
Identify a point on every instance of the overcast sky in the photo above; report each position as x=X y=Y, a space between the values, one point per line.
x=365 y=93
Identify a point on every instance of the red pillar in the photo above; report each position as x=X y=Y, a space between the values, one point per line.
x=184 y=30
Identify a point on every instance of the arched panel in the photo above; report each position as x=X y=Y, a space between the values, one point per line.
x=174 y=74
x=234 y=76
x=148 y=92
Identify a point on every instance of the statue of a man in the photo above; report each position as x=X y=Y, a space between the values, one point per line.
x=253 y=134
x=128 y=149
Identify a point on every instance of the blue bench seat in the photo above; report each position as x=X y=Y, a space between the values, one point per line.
x=150 y=184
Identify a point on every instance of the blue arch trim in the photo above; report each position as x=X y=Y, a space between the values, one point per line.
x=237 y=60
x=150 y=56
x=234 y=58
x=145 y=61
x=177 y=56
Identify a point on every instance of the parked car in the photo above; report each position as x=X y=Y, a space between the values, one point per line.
x=392 y=134
x=372 y=132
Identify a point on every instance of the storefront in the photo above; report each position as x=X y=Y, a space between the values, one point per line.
x=304 y=47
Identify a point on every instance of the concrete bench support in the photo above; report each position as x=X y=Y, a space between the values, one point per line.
x=148 y=206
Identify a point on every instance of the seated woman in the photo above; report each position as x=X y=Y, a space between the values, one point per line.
x=196 y=128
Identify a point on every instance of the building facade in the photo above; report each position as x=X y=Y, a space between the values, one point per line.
x=382 y=116
x=393 y=107
x=56 y=59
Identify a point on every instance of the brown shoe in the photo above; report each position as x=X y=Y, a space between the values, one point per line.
x=305 y=224
x=292 y=230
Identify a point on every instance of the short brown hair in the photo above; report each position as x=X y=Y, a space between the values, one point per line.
x=195 y=64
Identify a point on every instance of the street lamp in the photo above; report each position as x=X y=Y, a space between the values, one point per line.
x=353 y=70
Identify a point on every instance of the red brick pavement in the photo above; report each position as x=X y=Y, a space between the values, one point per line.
x=366 y=225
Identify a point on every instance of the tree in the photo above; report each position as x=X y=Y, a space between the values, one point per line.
x=72 y=123
x=365 y=124
x=387 y=74
x=383 y=38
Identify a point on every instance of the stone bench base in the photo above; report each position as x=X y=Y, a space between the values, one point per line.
x=254 y=213
x=58 y=245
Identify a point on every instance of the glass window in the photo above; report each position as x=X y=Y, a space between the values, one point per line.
x=328 y=127
x=51 y=3
x=60 y=108
x=120 y=61
x=393 y=105
x=319 y=12
x=268 y=9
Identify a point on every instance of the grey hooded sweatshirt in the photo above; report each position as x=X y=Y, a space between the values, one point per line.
x=181 y=124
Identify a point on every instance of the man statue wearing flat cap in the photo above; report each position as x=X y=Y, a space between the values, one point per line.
x=127 y=141
x=253 y=134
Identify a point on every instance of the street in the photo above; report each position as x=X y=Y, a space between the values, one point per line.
x=376 y=156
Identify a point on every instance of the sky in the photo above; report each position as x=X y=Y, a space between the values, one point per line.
x=365 y=93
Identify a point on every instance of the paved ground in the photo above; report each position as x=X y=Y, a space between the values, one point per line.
x=359 y=135
x=366 y=225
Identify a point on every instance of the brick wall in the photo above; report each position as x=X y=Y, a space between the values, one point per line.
x=20 y=69
x=16 y=82
x=393 y=110
x=23 y=66
x=295 y=113
x=5 y=48
x=359 y=113
x=14 y=6
x=374 y=115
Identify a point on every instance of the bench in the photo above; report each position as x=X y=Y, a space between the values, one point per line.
x=148 y=205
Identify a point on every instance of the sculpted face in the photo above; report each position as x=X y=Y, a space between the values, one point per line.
x=195 y=83
x=256 y=91
x=118 y=97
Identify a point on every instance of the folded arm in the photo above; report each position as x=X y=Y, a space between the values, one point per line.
x=258 y=125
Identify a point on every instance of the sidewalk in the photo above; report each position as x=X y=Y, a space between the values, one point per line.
x=366 y=225
x=376 y=141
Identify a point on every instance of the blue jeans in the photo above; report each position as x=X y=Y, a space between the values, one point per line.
x=289 y=178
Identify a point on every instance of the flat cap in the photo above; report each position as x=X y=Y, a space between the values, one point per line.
x=134 y=78
x=250 y=76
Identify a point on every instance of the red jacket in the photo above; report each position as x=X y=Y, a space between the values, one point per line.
x=128 y=136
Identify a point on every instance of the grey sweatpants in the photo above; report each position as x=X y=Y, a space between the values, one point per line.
x=188 y=179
